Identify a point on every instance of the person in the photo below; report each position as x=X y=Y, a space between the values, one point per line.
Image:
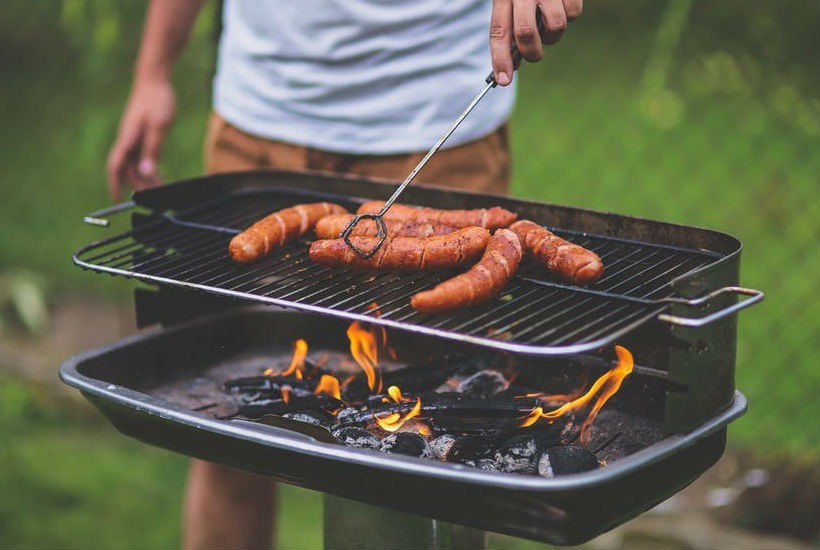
x=352 y=86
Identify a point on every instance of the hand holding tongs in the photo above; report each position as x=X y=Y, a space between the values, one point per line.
x=378 y=217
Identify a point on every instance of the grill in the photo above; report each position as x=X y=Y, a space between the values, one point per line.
x=186 y=248
x=668 y=294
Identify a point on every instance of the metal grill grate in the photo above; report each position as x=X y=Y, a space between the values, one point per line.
x=536 y=314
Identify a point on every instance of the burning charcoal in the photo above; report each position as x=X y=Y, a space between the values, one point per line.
x=520 y=454
x=355 y=390
x=566 y=459
x=406 y=443
x=440 y=446
x=357 y=437
x=483 y=384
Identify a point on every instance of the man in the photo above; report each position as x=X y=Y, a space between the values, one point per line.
x=353 y=86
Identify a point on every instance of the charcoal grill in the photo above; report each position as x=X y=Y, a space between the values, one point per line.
x=669 y=293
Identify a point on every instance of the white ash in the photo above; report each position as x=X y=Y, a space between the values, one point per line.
x=440 y=446
x=357 y=437
x=344 y=413
x=518 y=458
x=545 y=466
x=303 y=417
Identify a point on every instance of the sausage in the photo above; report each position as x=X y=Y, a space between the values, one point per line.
x=275 y=230
x=489 y=218
x=481 y=283
x=404 y=254
x=331 y=226
x=571 y=261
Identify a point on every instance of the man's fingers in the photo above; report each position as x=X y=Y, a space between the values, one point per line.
x=121 y=153
x=554 y=19
x=573 y=9
x=151 y=148
x=525 y=30
x=501 y=40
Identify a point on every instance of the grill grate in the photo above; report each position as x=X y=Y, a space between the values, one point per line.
x=536 y=314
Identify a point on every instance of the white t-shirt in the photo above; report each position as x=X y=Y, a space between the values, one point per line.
x=357 y=76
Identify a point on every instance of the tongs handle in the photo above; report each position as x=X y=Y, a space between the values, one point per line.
x=378 y=217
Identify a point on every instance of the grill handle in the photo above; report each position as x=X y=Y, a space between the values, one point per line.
x=98 y=218
x=756 y=296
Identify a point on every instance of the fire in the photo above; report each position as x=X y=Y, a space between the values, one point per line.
x=329 y=385
x=393 y=421
x=297 y=362
x=605 y=387
x=364 y=347
x=286 y=393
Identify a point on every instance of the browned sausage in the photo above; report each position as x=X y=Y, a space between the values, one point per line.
x=277 y=229
x=404 y=253
x=571 y=261
x=490 y=218
x=481 y=283
x=331 y=226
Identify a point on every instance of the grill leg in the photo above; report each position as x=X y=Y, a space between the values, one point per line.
x=350 y=524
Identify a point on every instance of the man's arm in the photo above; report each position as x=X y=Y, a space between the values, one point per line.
x=516 y=20
x=151 y=105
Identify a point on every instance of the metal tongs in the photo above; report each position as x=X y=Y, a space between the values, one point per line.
x=378 y=217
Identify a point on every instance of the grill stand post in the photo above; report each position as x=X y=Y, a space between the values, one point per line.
x=350 y=524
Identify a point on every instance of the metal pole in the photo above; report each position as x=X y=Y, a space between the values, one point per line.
x=349 y=524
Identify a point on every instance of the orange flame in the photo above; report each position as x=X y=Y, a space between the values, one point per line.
x=329 y=385
x=286 y=393
x=607 y=385
x=297 y=362
x=393 y=421
x=365 y=350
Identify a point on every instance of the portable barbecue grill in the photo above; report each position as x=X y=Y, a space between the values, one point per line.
x=669 y=294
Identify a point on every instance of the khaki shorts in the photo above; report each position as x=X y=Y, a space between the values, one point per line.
x=480 y=165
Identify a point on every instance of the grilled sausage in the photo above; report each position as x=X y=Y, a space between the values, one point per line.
x=277 y=229
x=404 y=253
x=331 y=226
x=571 y=261
x=489 y=218
x=481 y=283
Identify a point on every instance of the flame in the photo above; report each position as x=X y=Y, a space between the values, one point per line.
x=393 y=421
x=607 y=385
x=297 y=362
x=365 y=350
x=329 y=385
x=286 y=393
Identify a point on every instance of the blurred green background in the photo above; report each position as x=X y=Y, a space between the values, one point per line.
x=700 y=113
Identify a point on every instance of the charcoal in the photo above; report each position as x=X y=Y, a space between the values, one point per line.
x=520 y=453
x=440 y=446
x=320 y=418
x=470 y=448
x=566 y=459
x=259 y=407
x=414 y=378
x=487 y=464
x=345 y=413
x=406 y=443
x=270 y=386
x=357 y=437
x=483 y=384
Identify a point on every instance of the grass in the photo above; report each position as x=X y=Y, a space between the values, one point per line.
x=727 y=140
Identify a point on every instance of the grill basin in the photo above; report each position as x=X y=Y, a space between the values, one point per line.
x=122 y=380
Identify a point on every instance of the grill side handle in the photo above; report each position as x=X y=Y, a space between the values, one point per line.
x=694 y=322
x=99 y=218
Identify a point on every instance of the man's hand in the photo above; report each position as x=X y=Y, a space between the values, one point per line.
x=516 y=20
x=135 y=154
